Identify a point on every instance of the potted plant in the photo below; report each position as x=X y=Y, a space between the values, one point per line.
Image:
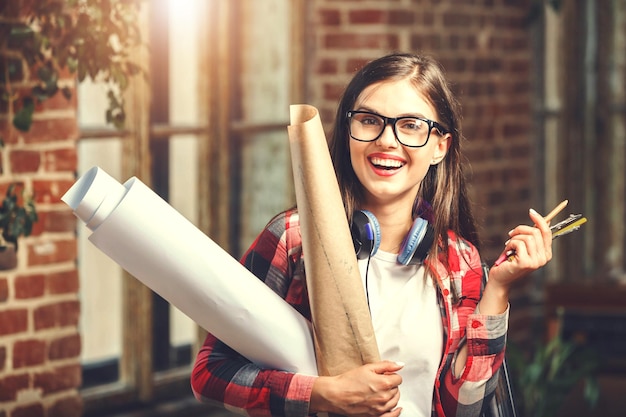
x=17 y=217
x=546 y=375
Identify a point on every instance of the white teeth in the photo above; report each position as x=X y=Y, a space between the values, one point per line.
x=387 y=163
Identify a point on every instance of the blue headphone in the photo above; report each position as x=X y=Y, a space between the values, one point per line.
x=365 y=232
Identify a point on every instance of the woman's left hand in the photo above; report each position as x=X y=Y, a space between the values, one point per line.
x=532 y=249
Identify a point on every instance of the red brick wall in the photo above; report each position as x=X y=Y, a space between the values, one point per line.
x=39 y=309
x=485 y=49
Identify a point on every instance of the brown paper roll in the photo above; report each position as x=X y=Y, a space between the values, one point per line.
x=343 y=332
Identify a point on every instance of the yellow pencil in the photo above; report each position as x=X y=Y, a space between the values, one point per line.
x=556 y=210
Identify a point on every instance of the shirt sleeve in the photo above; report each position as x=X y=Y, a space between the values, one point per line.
x=223 y=377
x=485 y=337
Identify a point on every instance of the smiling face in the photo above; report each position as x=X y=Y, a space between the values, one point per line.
x=390 y=172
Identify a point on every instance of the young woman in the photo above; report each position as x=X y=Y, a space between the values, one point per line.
x=397 y=153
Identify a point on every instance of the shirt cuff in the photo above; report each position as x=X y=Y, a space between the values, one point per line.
x=299 y=395
x=486 y=333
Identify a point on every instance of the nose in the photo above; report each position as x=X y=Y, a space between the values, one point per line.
x=388 y=139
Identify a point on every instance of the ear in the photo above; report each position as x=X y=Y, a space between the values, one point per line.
x=442 y=148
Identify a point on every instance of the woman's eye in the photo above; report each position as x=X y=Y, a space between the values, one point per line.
x=371 y=121
x=412 y=124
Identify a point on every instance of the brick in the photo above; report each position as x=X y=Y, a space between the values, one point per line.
x=65 y=282
x=39 y=226
x=3 y=357
x=327 y=66
x=8 y=132
x=427 y=42
x=367 y=16
x=4 y=290
x=30 y=410
x=50 y=252
x=457 y=20
x=50 y=191
x=28 y=353
x=60 y=160
x=514 y=129
x=52 y=130
x=332 y=91
x=21 y=162
x=56 y=221
x=13 y=321
x=354 y=64
x=65 y=347
x=31 y=286
x=403 y=18
x=58 y=379
x=61 y=314
x=71 y=406
x=57 y=102
x=360 y=40
x=329 y=17
x=10 y=385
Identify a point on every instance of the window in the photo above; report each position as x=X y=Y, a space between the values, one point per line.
x=217 y=105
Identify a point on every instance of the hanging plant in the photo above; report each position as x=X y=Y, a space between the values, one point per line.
x=91 y=39
x=17 y=217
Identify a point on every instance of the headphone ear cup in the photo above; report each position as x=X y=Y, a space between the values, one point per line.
x=417 y=243
x=365 y=232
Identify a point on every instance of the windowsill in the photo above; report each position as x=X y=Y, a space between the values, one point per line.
x=172 y=393
x=188 y=407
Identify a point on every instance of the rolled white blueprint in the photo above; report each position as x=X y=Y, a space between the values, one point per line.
x=157 y=245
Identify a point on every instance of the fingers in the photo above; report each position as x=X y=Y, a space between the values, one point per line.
x=532 y=245
x=369 y=390
x=384 y=367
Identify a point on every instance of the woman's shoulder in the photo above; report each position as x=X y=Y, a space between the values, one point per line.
x=286 y=226
x=461 y=252
x=460 y=243
x=285 y=220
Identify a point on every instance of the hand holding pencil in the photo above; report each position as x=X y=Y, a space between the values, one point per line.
x=509 y=255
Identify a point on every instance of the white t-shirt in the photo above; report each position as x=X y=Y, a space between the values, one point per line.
x=408 y=327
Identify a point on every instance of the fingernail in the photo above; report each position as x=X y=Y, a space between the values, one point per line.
x=399 y=363
x=532 y=211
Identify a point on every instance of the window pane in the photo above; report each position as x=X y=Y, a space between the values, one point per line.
x=100 y=278
x=266 y=187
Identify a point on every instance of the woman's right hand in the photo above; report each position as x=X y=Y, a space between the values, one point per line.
x=369 y=390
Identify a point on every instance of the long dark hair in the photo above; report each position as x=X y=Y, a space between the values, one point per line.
x=444 y=185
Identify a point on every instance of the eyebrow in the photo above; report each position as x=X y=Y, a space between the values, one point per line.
x=369 y=109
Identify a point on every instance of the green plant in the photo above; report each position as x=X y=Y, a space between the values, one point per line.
x=16 y=219
x=89 y=38
x=544 y=377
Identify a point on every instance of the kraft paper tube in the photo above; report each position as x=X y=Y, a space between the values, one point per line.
x=157 y=245
x=342 y=325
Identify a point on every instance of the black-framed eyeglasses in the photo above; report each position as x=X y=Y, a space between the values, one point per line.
x=410 y=131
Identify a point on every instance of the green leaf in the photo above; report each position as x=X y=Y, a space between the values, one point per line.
x=23 y=118
x=67 y=92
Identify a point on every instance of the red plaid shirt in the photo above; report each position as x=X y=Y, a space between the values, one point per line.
x=221 y=376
